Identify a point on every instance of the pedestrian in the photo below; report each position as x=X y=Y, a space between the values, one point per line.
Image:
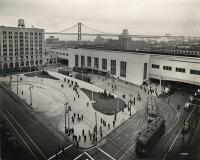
x=101 y=120
x=84 y=138
x=109 y=126
x=101 y=135
x=74 y=115
x=87 y=104
x=82 y=132
x=113 y=123
x=81 y=117
x=78 y=95
x=72 y=130
x=74 y=98
x=79 y=138
x=22 y=92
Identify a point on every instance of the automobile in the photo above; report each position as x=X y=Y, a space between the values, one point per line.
x=187 y=105
x=186 y=128
x=70 y=75
x=197 y=94
x=191 y=98
x=198 y=90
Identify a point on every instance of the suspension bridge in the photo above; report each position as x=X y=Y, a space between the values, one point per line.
x=80 y=27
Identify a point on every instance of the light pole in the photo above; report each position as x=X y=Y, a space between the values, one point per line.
x=66 y=114
x=30 y=88
x=130 y=104
x=17 y=83
x=10 y=81
x=96 y=126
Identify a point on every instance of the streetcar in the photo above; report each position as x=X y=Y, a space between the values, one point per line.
x=149 y=136
x=151 y=108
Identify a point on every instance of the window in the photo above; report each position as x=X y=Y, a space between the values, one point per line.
x=104 y=64
x=96 y=62
x=167 y=68
x=82 y=61
x=182 y=70
x=122 y=69
x=76 y=60
x=89 y=61
x=196 y=72
x=113 y=67
x=155 y=66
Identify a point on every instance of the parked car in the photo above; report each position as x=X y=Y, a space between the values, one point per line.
x=187 y=105
x=186 y=128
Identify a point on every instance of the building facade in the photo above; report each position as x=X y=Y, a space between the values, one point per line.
x=21 y=48
x=134 y=67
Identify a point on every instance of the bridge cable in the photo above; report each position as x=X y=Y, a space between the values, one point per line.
x=95 y=29
x=72 y=27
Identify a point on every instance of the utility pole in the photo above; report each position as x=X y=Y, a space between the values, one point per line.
x=10 y=81
x=130 y=106
x=66 y=114
x=96 y=126
x=30 y=88
x=92 y=88
x=17 y=83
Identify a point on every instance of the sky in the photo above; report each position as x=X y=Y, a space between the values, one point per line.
x=144 y=17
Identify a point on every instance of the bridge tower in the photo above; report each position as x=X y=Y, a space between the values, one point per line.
x=79 y=31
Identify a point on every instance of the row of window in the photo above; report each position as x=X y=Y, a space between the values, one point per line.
x=62 y=53
x=20 y=33
x=20 y=64
x=181 y=70
x=21 y=57
x=104 y=64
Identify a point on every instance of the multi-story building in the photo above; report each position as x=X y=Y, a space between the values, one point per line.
x=21 y=48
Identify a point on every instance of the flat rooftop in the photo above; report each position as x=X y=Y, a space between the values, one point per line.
x=177 y=58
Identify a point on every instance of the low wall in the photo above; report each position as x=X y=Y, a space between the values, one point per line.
x=81 y=84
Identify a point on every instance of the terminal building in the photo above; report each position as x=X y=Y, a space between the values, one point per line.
x=21 y=48
x=133 y=67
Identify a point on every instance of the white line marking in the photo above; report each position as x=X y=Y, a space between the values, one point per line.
x=25 y=132
x=138 y=128
x=105 y=153
x=60 y=151
x=177 y=136
x=19 y=135
x=172 y=144
x=134 y=142
x=78 y=156
x=89 y=155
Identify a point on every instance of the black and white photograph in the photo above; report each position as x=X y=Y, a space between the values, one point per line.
x=99 y=79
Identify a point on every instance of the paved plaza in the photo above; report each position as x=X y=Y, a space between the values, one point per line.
x=49 y=97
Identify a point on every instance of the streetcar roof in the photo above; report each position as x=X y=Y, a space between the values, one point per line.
x=150 y=130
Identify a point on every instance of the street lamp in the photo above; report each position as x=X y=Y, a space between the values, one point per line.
x=67 y=112
x=10 y=81
x=130 y=103
x=30 y=88
x=17 y=82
